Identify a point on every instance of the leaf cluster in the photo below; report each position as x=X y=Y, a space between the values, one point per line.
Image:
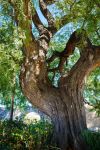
x=84 y=14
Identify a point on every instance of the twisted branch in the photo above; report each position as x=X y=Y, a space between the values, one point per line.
x=75 y=40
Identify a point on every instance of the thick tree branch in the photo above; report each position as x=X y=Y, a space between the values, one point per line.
x=69 y=49
x=23 y=19
x=77 y=39
x=89 y=60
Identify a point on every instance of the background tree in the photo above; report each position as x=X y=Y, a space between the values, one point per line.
x=10 y=61
x=62 y=101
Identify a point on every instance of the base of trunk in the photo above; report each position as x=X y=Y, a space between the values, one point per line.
x=64 y=140
x=69 y=123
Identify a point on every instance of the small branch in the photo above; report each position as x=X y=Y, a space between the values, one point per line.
x=53 y=70
x=37 y=22
x=12 y=101
x=72 y=5
x=86 y=102
x=47 y=15
x=46 y=12
x=12 y=108
x=51 y=21
x=49 y=2
x=63 y=21
x=54 y=56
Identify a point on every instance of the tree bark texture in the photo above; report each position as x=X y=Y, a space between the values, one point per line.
x=64 y=104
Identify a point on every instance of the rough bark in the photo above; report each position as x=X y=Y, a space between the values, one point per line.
x=69 y=121
x=64 y=104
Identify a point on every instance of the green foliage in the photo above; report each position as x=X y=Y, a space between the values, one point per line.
x=92 y=139
x=10 y=61
x=83 y=14
x=92 y=90
x=10 y=50
x=96 y=107
x=16 y=135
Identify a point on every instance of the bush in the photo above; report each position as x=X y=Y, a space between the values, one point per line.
x=92 y=139
x=18 y=136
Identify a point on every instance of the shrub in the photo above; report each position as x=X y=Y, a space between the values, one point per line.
x=92 y=139
x=16 y=135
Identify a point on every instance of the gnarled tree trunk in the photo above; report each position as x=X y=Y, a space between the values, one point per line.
x=64 y=104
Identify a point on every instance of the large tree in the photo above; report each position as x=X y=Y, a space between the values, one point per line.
x=64 y=103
